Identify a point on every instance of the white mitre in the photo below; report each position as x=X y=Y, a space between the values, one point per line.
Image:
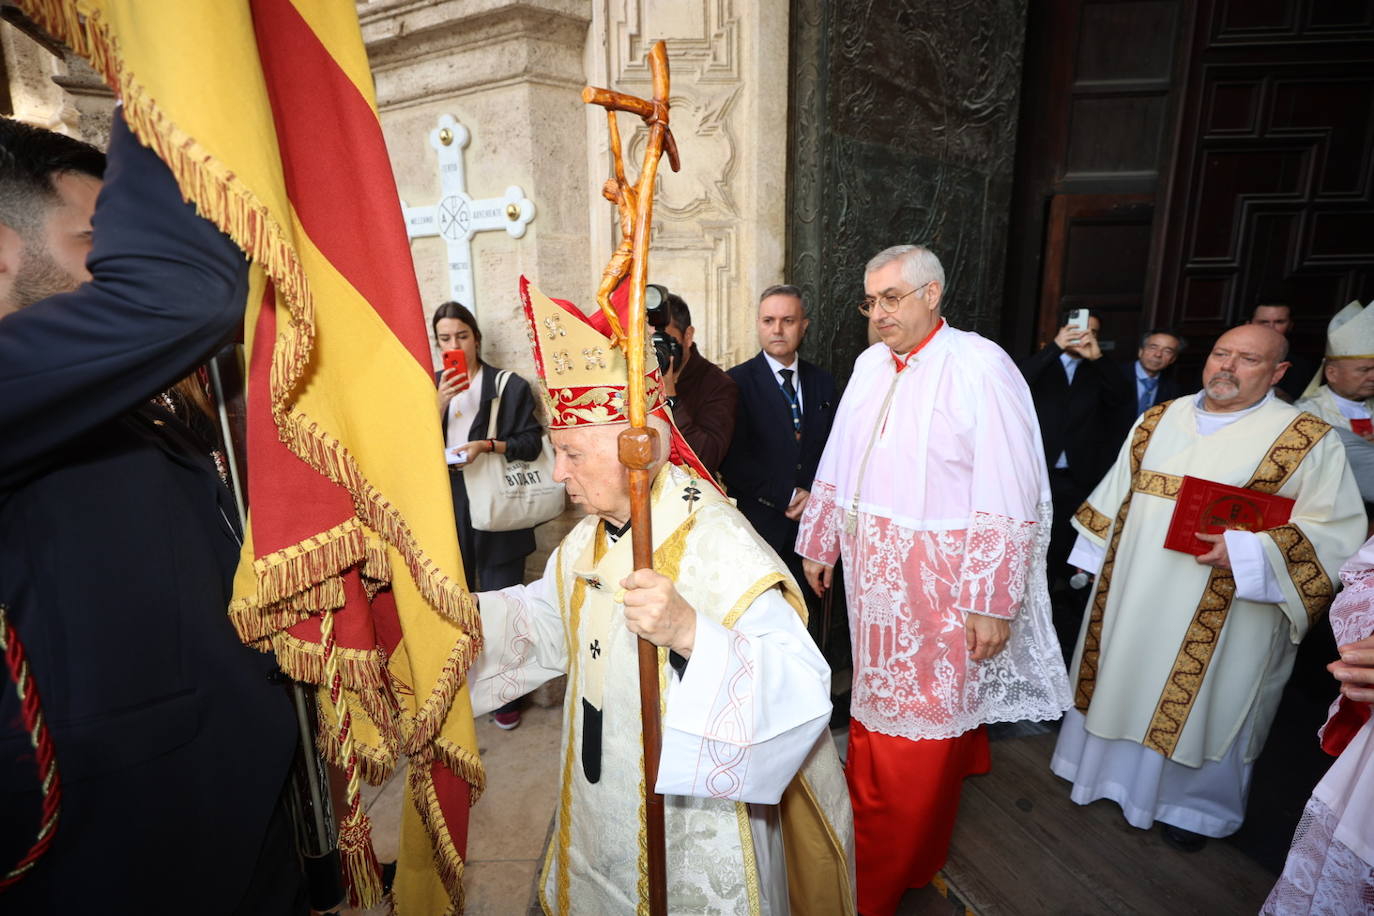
x=1349 y=335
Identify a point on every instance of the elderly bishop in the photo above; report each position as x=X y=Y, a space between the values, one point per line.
x=756 y=818
x=933 y=488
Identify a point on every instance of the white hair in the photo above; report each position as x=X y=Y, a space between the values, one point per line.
x=919 y=264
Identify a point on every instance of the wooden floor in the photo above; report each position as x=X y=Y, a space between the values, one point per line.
x=1021 y=847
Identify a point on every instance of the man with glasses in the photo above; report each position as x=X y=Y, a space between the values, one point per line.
x=932 y=487
x=1159 y=349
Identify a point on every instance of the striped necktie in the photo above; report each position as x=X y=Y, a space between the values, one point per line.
x=791 y=391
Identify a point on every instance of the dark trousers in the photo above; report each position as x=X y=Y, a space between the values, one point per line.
x=1066 y=602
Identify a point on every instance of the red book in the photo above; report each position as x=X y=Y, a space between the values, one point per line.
x=1209 y=507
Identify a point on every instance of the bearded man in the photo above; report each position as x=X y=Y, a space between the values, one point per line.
x=755 y=807
x=1181 y=659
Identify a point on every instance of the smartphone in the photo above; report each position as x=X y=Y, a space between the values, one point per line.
x=1078 y=318
x=456 y=359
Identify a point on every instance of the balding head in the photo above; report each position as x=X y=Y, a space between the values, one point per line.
x=1244 y=364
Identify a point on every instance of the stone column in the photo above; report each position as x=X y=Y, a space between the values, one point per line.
x=511 y=72
x=719 y=224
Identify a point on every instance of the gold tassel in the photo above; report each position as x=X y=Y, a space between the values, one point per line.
x=361 y=873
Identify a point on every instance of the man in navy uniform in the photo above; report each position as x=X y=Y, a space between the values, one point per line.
x=786 y=407
x=118 y=544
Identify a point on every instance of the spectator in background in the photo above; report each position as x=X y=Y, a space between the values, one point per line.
x=492 y=560
x=700 y=394
x=786 y=407
x=1302 y=368
x=1084 y=404
x=1154 y=384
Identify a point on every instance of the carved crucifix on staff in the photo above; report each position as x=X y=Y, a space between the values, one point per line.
x=635 y=204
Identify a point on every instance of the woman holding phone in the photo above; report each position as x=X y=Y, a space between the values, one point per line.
x=467 y=386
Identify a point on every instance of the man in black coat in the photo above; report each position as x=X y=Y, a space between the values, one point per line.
x=1085 y=404
x=786 y=407
x=118 y=543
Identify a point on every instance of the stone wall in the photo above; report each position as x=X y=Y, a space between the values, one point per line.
x=719 y=223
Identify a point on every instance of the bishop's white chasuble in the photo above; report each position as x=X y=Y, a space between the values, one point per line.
x=757 y=814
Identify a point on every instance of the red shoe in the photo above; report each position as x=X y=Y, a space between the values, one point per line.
x=506 y=720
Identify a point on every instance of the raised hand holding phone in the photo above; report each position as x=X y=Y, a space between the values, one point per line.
x=454 y=379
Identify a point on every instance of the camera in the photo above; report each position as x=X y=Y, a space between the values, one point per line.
x=666 y=346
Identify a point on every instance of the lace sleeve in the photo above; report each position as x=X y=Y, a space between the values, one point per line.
x=998 y=552
x=1352 y=613
x=818 y=539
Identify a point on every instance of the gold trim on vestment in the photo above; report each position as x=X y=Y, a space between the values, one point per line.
x=1092 y=637
x=751 y=862
x=1189 y=670
x=1190 y=666
x=1309 y=577
x=1094 y=521
x=1154 y=483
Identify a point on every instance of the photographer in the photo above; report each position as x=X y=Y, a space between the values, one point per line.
x=702 y=397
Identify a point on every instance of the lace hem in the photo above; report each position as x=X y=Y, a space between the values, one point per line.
x=1322 y=875
x=913 y=677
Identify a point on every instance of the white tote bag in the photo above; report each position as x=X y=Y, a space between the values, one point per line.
x=507 y=495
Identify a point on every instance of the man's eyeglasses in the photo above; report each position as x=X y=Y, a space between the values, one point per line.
x=887 y=301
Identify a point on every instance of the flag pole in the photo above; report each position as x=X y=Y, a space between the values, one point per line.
x=638 y=443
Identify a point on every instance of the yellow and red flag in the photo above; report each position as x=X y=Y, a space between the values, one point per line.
x=265 y=111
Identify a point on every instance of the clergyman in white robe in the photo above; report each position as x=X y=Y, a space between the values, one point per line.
x=1179 y=666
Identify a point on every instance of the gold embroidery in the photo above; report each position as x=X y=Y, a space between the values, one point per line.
x=751 y=865
x=1155 y=483
x=1093 y=520
x=595 y=357
x=1287 y=452
x=1092 y=639
x=562 y=362
x=1200 y=642
x=1309 y=578
x=555 y=325
x=1190 y=666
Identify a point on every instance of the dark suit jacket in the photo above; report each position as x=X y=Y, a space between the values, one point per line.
x=1088 y=419
x=117 y=549
x=518 y=427
x=1167 y=389
x=705 y=412
x=766 y=461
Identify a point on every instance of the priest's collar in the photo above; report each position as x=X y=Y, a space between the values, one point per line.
x=615 y=533
x=901 y=360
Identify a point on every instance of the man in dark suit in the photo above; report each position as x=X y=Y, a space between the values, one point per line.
x=1149 y=374
x=1302 y=367
x=118 y=544
x=786 y=407
x=1085 y=405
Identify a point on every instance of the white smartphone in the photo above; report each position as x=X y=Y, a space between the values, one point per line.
x=1078 y=318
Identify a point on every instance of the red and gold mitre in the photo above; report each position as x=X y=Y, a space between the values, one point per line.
x=582 y=373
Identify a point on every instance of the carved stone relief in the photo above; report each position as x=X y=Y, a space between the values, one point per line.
x=719 y=223
x=903 y=130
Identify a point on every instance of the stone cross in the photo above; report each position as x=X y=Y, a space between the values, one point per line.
x=457 y=217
